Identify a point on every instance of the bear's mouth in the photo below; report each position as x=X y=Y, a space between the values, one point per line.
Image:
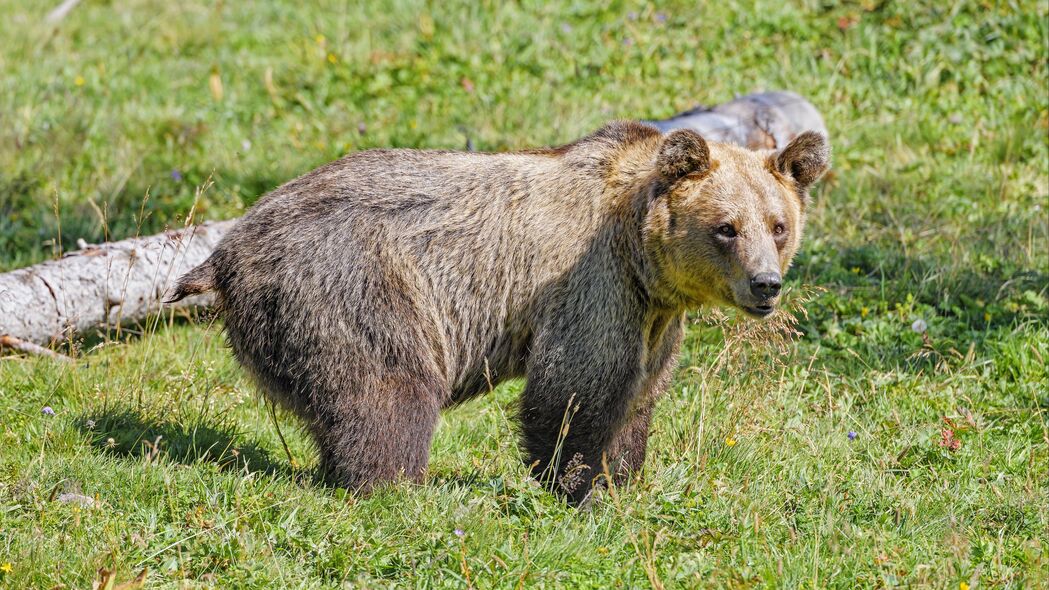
x=759 y=311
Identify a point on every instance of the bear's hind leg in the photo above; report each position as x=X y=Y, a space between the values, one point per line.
x=378 y=435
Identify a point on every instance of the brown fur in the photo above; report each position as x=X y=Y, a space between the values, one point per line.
x=372 y=292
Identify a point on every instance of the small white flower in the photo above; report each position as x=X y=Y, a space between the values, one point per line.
x=919 y=326
x=245 y=145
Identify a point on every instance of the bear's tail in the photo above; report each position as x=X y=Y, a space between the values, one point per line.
x=199 y=280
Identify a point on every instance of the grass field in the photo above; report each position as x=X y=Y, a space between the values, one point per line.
x=901 y=439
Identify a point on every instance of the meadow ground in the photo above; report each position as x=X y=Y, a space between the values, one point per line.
x=899 y=440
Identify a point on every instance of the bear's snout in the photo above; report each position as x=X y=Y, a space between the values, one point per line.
x=765 y=285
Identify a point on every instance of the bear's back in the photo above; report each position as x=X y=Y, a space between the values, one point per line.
x=469 y=240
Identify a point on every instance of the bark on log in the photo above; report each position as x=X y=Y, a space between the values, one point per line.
x=759 y=121
x=30 y=348
x=102 y=286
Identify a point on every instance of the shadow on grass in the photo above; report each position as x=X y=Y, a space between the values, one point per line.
x=131 y=332
x=129 y=433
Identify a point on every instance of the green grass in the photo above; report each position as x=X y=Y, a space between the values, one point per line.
x=936 y=210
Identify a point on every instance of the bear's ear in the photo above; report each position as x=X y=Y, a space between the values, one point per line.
x=683 y=152
x=805 y=159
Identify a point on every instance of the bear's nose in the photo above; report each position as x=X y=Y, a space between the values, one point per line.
x=765 y=285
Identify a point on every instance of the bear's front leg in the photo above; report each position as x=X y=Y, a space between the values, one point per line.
x=576 y=401
x=626 y=455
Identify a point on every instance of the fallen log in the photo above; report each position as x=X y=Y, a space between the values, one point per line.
x=763 y=120
x=100 y=287
x=103 y=286
x=30 y=348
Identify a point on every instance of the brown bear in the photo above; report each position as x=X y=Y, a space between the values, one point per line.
x=374 y=291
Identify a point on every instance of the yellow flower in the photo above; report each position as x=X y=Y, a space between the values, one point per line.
x=6 y=567
x=987 y=317
x=864 y=311
x=730 y=442
x=332 y=58
x=79 y=81
x=963 y=586
x=319 y=39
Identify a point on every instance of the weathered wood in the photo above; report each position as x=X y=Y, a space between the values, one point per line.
x=759 y=121
x=101 y=286
x=30 y=348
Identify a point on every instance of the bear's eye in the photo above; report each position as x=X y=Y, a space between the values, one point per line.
x=726 y=230
x=779 y=229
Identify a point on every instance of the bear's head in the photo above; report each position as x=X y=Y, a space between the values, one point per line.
x=724 y=222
